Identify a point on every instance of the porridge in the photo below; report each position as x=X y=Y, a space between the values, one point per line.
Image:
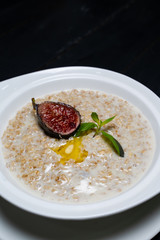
x=80 y=169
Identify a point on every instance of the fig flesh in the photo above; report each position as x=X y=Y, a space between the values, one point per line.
x=57 y=119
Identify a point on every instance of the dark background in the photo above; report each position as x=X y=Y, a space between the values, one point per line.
x=119 y=35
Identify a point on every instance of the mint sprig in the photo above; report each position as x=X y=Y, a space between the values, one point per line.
x=97 y=126
x=115 y=143
x=85 y=127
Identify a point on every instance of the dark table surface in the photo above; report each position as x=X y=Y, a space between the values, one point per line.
x=119 y=35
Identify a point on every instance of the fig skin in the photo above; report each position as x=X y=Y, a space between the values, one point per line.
x=51 y=131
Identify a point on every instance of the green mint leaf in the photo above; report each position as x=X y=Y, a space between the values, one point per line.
x=107 y=121
x=115 y=143
x=95 y=117
x=85 y=127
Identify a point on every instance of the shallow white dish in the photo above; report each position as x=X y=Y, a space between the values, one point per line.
x=16 y=92
x=141 y=222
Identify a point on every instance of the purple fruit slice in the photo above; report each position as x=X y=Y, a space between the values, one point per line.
x=57 y=119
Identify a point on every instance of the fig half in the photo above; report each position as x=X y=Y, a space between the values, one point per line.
x=58 y=120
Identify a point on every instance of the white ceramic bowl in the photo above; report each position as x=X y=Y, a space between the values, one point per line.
x=16 y=92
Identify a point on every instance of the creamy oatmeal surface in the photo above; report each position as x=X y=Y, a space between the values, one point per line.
x=31 y=158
